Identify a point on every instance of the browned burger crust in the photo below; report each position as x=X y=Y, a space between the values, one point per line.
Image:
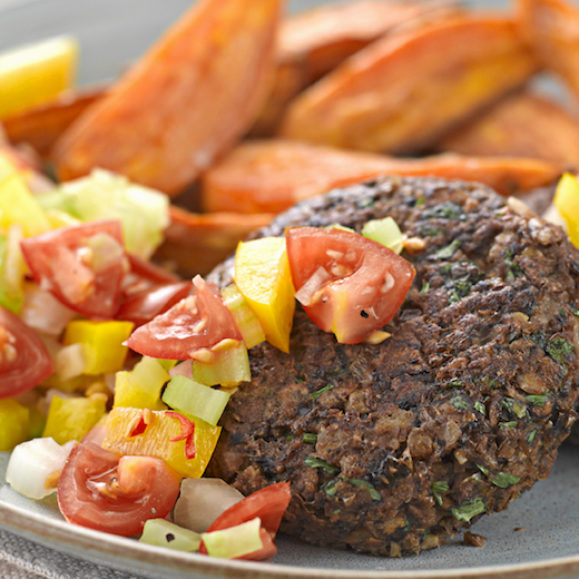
x=392 y=448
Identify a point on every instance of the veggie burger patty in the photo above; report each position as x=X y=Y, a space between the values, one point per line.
x=391 y=448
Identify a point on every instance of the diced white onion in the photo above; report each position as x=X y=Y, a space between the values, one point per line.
x=42 y=311
x=34 y=466
x=69 y=361
x=201 y=501
x=183 y=369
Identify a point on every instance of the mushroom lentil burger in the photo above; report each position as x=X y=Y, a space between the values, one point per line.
x=392 y=448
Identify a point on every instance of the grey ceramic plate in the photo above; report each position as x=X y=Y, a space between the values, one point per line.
x=112 y=33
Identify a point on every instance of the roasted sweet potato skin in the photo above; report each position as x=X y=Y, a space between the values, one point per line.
x=270 y=176
x=552 y=29
x=42 y=126
x=186 y=101
x=314 y=42
x=196 y=243
x=523 y=125
x=401 y=94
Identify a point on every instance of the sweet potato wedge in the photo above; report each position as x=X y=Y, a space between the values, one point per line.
x=185 y=102
x=400 y=94
x=270 y=176
x=42 y=126
x=552 y=28
x=523 y=125
x=314 y=42
x=195 y=243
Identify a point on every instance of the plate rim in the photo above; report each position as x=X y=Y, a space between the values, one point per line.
x=112 y=550
x=34 y=526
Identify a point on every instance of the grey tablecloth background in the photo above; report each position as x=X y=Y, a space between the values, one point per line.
x=23 y=559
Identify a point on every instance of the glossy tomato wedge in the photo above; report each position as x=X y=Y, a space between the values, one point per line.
x=145 y=275
x=269 y=504
x=83 y=266
x=24 y=359
x=116 y=494
x=347 y=284
x=198 y=321
x=142 y=306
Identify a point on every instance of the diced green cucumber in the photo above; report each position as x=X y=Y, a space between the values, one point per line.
x=229 y=367
x=246 y=320
x=386 y=232
x=143 y=212
x=195 y=400
x=234 y=541
x=162 y=533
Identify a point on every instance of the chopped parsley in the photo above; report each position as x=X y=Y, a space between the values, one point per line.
x=513 y=269
x=459 y=402
x=447 y=210
x=438 y=488
x=330 y=487
x=480 y=407
x=420 y=201
x=447 y=251
x=515 y=407
x=559 y=348
x=310 y=438
x=425 y=286
x=483 y=469
x=314 y=462
x=460 y=289
x=469 y=509
x=537 y=399
x=357 y=482
x=504 y=480
x=531 y=437
x=508 y=425
x=315 y=395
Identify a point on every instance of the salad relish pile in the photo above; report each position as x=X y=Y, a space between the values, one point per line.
x=114 y=373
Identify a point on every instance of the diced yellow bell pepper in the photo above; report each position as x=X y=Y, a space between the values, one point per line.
x=566 y=201
x=58 y=219
x=19 y=207
x=12 y=270
x=72 y=418
x=102 y=343
x=141 y=387
x=14 y=423
x=7 y=166
x=37 y=73
x=263 y=277
x=152 y=433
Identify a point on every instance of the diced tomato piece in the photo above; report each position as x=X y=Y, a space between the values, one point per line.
x=144 y=305
x=24 y=359
x=116 y=494
x=198 y=321
x=347 y=284
x=83 y=266
x=269 y=504
x=147 y=271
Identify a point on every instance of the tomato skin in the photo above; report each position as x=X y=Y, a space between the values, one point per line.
x=199 y=321
x=350 y=285
x=269 y=504
x=133 y=490
x=24 y=359
x=142 y=306
x=147 y=270
x=60 y=261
